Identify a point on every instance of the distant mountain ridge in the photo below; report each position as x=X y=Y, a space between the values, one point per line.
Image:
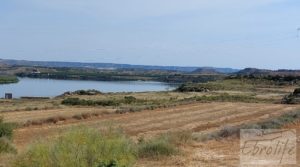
x=207 y=70
x=112 y=66
x=280 y=72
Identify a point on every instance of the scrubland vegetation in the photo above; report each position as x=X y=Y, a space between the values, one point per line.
x=273 y=123
x=293 y=98
x=234 y=83
x=8 y=79
x=86 y=147
x=82 y=147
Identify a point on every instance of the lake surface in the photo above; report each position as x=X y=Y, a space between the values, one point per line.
x=52 y=88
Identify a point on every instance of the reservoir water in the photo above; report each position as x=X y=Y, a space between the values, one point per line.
x=52 y=88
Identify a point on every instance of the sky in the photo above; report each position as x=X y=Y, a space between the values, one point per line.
x=219 y=33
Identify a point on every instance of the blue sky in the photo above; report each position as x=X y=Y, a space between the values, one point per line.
x=231 y=33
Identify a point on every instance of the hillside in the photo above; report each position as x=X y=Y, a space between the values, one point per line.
x=265 y=72
x=207 y=71
x=108 y=66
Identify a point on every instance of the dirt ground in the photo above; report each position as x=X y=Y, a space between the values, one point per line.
x=197 y=117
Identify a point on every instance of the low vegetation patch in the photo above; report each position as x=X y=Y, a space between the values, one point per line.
x=156 y=148
x=130 y=99
x=86 y=147
x=227 y=84
x=56 y=119
x=8 y=79
x=230 y=84
x=90 y=92
x=6 y=134
x=293 y=98
x=228 y=98
x=227 y=131
x=225 y=97
x=82 y=147
x=83 y=102
x=127 y=100
x=50 y=120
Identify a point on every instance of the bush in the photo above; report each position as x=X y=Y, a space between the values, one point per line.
x=87 y=92
x=293 y=98
x=50 y=120
x=227 y=131
x=225 y=97
x=81 y=147
x=297 y=91
x=129 y=99
x=6 y=129
x=6 y=133
x=179 y=138
x=5 y=146
x=83 y=102
x=71 y=101
x=110 y=164
x=156 y=148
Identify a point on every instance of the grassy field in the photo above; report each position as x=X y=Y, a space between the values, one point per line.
x=165 y=127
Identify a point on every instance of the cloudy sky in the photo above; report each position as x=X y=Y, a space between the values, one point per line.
x=220 y=33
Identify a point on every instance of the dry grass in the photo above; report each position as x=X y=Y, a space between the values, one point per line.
x=196 y=118
x=22 y=117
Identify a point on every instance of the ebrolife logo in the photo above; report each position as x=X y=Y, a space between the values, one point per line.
x=268 y=147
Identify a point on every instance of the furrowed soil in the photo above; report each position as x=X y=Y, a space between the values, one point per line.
x=196 y=117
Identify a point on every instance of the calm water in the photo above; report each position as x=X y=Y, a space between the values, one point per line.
x=51 y=88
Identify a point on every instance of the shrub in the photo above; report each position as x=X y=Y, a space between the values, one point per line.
x=156 y=148
x=5 y=146
x=87 y=92
x=179 y=138
x=6 y=132
x=81 y=147
x=78 y=116
x=83 y=102
x=129 y=99
x=110 y=164
x=192 y=88
x=293 y=98
x=227 y=131
x=49 y=120
x=71 y=101
x=297 y=91
x=6 y=129
x=123 y=110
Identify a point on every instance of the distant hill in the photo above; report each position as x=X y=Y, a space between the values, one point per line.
x=3 y=64
x=253 y=71
x=209 y=71
x=213 y=70
x=264 y=72
x=110 y=66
